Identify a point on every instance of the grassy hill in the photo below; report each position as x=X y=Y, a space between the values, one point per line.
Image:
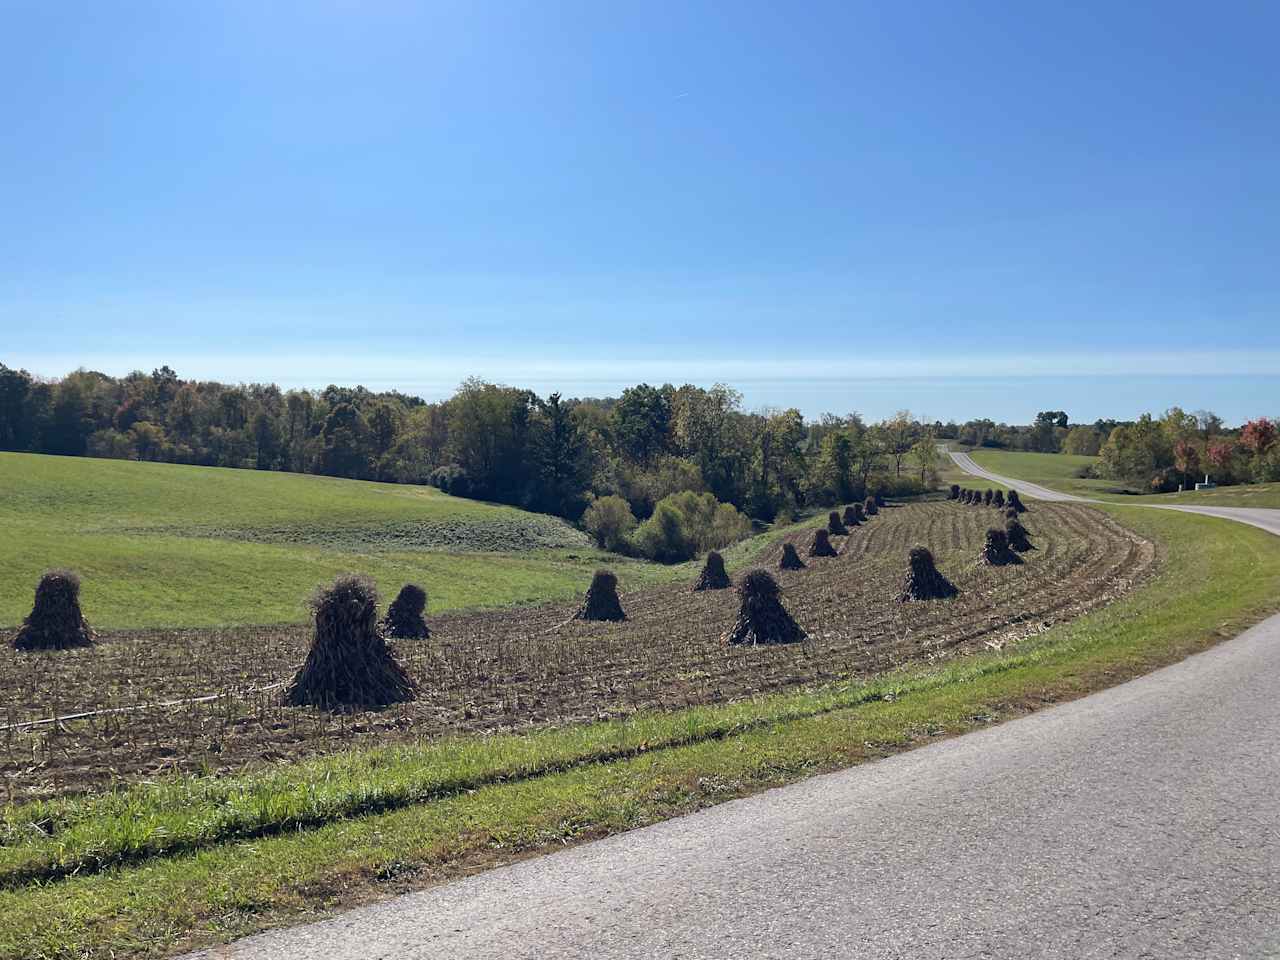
x=1060 y=471
x=170 y=545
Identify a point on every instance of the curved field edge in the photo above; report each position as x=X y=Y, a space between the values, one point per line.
x=512 y=670
x=173 y=546
x=1218 y=578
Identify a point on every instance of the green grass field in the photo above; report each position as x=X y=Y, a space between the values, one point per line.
x=1060 y=471
x=164 y=545
x=189 y=862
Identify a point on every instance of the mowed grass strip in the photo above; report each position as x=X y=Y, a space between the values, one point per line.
x=1057 y=471
x=1218 y=578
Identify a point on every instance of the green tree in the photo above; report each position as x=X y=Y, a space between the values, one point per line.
x=1082 y=442
x=384 y=424
x=71 y=423
x=561 y=460
x=833 y=471
x=1135 y=452
x=641 y=422
x=488 y=434
x=899 y=435
x=925 y=455
x=346 y=448
x=148 y=440
x=266 y=440
x=16 y=425
x=779 y=466
x=710 y=431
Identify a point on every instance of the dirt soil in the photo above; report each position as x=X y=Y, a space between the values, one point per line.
x=514 y=669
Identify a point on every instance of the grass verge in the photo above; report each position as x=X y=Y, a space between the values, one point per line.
x=359 y=826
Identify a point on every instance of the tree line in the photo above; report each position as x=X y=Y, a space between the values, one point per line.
x=561 y=456
x=487 y=441
x=1175 y=450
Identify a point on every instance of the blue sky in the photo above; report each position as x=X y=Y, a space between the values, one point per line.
x=962 y=208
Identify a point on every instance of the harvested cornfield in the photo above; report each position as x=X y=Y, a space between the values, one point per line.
x=195 y=700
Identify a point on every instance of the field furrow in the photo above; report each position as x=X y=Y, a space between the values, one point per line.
x=209 y=700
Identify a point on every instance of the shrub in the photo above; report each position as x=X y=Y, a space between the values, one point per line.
x=610 y=522
x=895 y=487
x=685 y=524
x=665 y=536
x=451 y=479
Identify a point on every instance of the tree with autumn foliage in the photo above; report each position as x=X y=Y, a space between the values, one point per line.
x=1258 y=436
x=1186 y=458
x=1260 y=439
x=1220 y=454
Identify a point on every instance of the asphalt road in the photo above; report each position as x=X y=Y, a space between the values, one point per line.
x=1033 y=490
x=1266 y=519
x=1142 y=821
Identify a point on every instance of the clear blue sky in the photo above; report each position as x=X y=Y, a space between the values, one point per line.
x=845 y=205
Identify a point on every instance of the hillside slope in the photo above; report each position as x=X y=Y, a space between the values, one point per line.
x=170 y=545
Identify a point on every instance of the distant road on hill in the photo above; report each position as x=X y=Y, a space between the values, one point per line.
x=1263 y=517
